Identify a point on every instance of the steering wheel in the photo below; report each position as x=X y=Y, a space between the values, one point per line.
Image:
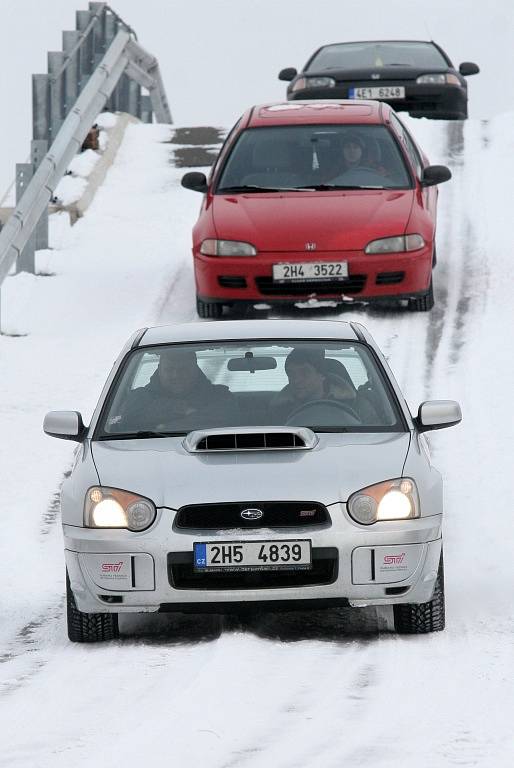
x=362 y=173
x=324 y=403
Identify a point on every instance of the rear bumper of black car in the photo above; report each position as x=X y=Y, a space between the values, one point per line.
x=446 y=102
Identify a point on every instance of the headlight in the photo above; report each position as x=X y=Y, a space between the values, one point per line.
x=227 y=248
x=112 y=508
x=438 y=80
x=313 y=82
x=391 y=500
x=398 y=244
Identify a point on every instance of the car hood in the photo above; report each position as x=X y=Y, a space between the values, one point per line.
x=386 y=74
x=335 y=221
x=162 y=470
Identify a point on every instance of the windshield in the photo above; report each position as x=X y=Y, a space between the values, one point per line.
x=377 y=55
x=174 y=389
x=313 y=157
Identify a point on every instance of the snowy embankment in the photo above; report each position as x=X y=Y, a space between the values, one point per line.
x=285 y=692
x=103 y=278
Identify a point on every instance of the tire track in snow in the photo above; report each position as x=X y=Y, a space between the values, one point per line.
x=29 y=653
x=475 y=282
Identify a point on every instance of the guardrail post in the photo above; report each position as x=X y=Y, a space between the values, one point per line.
x=38 y=149
x=40 y=107
x=111 y=30
x=55 y=63
x=146 y=109
x=134 y=98
x=122 y=94
x=70 y=40
x=98 y=10
x=26 y=261
x=87 y=58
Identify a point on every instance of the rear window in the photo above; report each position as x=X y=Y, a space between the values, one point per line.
x=377 y=55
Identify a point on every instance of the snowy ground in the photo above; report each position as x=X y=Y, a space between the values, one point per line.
x=281 y=692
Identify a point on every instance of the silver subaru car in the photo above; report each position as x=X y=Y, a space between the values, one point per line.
x=254 y=463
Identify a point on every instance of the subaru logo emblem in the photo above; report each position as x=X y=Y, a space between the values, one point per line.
x=252 y=514
x=310 y=246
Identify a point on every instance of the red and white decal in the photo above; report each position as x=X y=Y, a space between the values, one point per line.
x=394 y=559
x=112 y=567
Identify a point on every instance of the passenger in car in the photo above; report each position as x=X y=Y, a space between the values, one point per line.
x=179 y=396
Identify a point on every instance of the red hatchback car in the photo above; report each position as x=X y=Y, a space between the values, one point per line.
x=328 y=200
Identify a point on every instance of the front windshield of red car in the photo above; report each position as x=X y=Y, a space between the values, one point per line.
x=177 y=388
x=377 y=55
x=303 y=157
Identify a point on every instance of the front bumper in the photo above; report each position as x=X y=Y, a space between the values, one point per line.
x=371 y=277
x=443 y=101
x=383 y=564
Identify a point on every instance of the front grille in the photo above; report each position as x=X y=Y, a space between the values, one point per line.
x=181 y=574
x=276 y=514
x=232 y=281
x=389 y=278
x=353 y=284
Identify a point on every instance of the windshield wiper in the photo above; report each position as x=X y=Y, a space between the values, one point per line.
x=255 y=188
x=332 y=187
x=330 y=429
x=143 y=434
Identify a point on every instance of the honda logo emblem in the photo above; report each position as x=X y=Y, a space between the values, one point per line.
x=310 y=246
x=252 y=514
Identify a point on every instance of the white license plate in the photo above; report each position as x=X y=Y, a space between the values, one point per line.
x=252 y=555
x=315 y=270
x=385 y=92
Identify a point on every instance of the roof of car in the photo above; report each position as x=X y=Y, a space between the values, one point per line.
x=317 y=111
x=235 y=330
x=373 y=42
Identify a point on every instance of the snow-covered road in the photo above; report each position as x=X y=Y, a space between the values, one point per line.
x=321 y=690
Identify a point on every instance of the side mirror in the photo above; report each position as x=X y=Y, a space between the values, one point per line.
x=438 y=414
x=287 y=74
x=67 y=425
x=469 y=68
x=195 y=181
x=435 y=174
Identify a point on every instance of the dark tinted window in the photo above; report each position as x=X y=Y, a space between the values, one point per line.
x=306 y=156
x=377 y=55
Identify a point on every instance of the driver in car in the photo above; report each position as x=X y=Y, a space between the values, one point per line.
x=353 y=151
x=309 y=381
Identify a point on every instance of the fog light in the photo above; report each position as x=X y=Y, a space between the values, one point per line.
x=140 y=515
x=364 y=509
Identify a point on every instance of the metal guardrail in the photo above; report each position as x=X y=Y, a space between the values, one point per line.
x=101 y=65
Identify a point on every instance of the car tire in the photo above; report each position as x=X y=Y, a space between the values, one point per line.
x=208 y=310
x=88 y=627
x=423 y=303
x=418 y=619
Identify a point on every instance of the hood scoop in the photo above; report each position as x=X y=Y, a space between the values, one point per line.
x=250 y=439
